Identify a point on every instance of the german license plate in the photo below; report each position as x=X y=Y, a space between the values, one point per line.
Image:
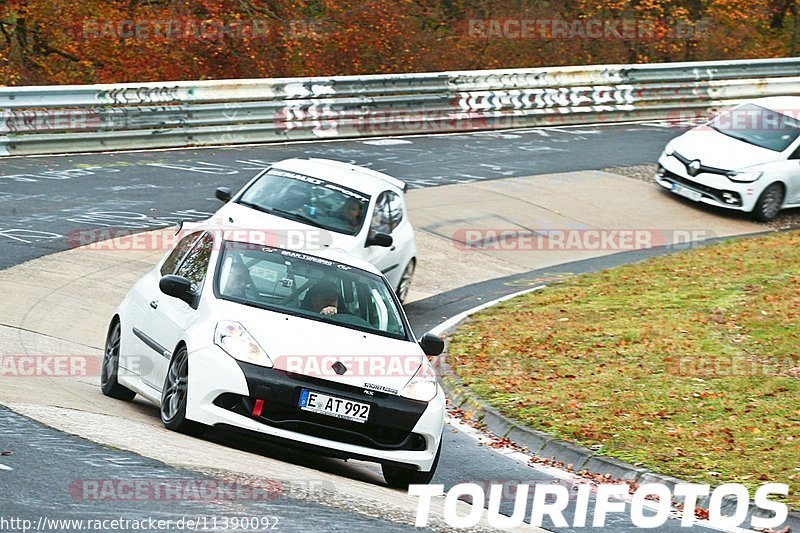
x=686 y=193
x=317 y=402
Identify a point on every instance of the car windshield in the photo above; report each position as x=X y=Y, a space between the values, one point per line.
x=308 y=200
x=759 y=126
x=304 y=285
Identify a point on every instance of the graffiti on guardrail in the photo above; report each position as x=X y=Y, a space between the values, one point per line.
x=26 y=120
x=142 y=95
x=230 y=111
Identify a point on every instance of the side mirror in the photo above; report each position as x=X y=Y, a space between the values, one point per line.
x=431 y=344
x=178 y=287
x=379 y=239
x=223 y=194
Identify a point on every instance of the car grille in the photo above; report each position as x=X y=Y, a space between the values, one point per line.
x=369 y=435
x=391 y=420
x=732 y=198
x=704 y=169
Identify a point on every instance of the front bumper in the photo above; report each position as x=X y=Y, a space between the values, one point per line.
x=713 y=189
x=222 y=391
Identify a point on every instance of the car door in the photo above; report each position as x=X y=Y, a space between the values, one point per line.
x=792 y=174
x=169 y=317
x=403 y=235
x=383 y=257
x=146 y=296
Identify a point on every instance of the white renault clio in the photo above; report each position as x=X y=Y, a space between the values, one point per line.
x=313 y=349
x=747 y=159
x=362 y=210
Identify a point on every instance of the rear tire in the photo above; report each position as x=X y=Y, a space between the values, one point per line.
x=110 y=368
x=174 y=396
x=401 y=478
x=769 y=203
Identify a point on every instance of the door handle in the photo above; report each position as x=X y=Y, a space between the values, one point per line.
x=393 y=248
x=154 y=304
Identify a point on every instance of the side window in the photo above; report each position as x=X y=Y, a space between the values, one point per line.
x=195 y=266
x=395 y=209
x=178 y=252
x=381 y=217
x=796 y=153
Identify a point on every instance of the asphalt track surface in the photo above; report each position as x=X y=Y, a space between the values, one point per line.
x=45 y=200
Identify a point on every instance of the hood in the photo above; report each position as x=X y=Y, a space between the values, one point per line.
x=311 y=348
x=714 y=149
x=289 y=234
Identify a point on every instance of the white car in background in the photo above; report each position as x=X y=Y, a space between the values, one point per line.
x=310 y=349
x=747 y=159
x=363 y=211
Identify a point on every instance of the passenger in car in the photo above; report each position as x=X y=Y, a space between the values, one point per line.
x=351 y=213
x=322 y=298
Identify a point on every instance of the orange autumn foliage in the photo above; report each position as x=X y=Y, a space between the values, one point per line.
x=113 y=41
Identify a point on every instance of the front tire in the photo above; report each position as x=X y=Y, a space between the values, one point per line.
x=174 y=396
x=401 y=478
x=110 y=368
x=405 y=281
x=769 y=203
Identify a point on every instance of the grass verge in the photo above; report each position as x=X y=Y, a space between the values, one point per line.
x=686 y=364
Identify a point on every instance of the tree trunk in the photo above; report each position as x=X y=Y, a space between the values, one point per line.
x=795 y=29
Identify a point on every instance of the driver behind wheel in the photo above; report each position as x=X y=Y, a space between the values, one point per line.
x=322 y=298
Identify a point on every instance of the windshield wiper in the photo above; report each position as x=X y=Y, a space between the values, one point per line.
x=297 y=216
x=283 y=213
x=738 y=138
x=254 y=206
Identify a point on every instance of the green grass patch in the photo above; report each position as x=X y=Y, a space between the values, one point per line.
x=686 y=364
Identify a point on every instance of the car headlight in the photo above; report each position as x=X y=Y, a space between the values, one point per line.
x=423 y=386
x=745 y=177
x=239 y=344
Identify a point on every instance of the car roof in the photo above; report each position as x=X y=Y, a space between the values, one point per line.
x=787 y=105
x=232 y=232
x=361 y=179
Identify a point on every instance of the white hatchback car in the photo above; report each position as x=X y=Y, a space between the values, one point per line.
x=747 y=158
x=311 y=350
x=363 y=210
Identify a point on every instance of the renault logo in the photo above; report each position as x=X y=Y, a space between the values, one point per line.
x=694 y=168
x=339 y=367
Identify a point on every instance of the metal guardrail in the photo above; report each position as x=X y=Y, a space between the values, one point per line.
x=64 y=119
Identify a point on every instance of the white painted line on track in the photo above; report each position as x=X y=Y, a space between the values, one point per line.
x=452 y=321
x=557 y=473
x=4 y=467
